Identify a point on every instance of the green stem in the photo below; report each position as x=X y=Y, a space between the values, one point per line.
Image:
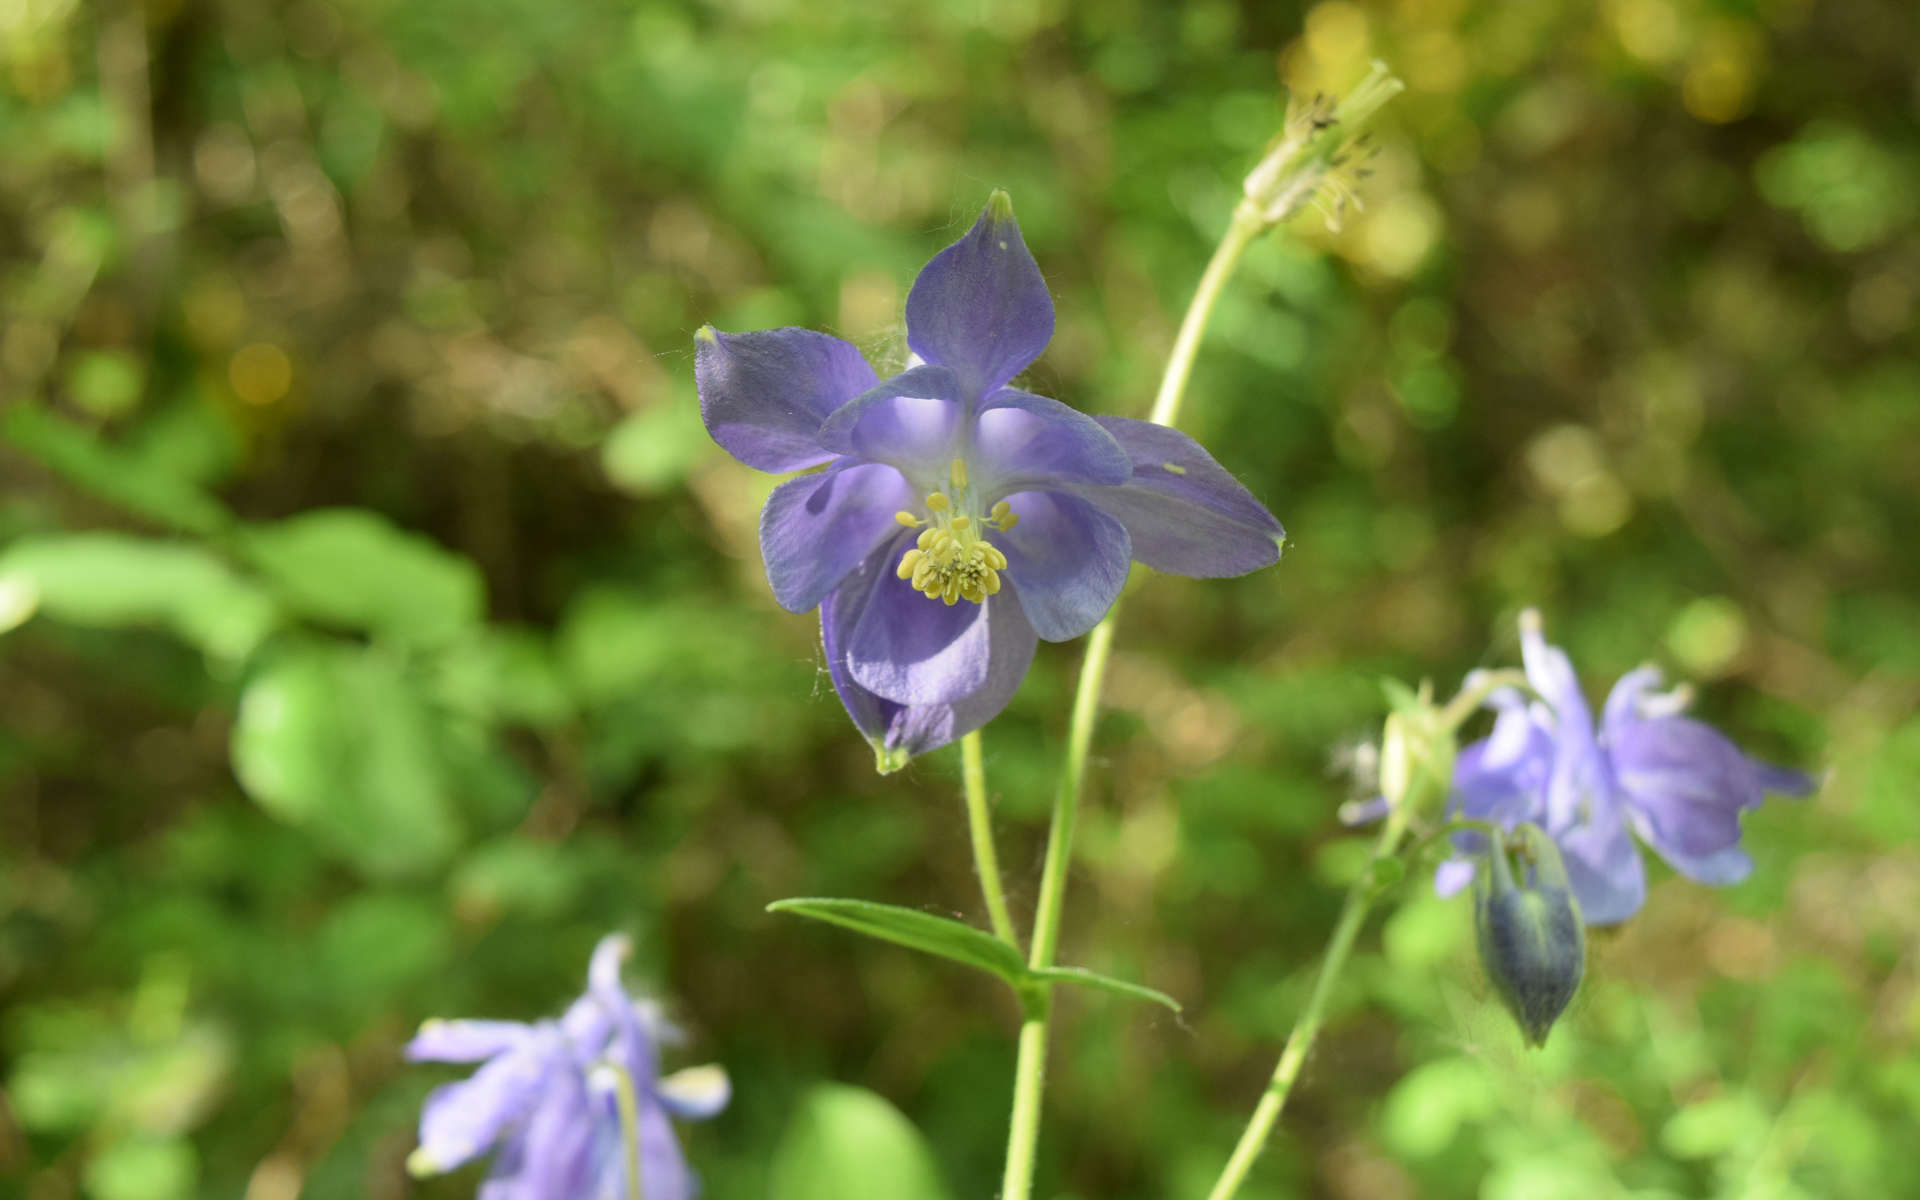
x=973 y=775
x=1246 y=224
x=1030 y=1069
x=629 y=1106
x=1300 y=1042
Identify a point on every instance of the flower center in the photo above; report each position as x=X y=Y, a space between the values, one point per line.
x=951 y=561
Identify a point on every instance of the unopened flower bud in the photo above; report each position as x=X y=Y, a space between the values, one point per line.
x=1533 y=943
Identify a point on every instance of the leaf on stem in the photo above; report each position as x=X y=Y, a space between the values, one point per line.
x=1082 y=977
x=925 y=932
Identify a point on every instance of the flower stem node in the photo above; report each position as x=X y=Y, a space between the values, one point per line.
x=1532 y=941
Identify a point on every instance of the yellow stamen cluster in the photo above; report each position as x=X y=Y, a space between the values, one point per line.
x=950 y=561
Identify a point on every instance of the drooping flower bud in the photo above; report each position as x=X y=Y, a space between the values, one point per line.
x=1533 y=943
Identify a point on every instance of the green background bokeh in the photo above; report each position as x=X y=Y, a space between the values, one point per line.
x=381 y=627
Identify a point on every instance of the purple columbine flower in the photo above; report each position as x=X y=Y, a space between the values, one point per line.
x=549 y=1097
x=1676 y=782
x=947 y=520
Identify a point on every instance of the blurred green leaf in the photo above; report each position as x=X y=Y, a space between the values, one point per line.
x=106 y=383
x=846 y=1143
x=925 y=932
x=652 y=450
x=1081 y=977
x=143 y=1169
x=1426 y=1109
x=114 y=580
x=104 y=471
x=354 y=568
x=334 y=739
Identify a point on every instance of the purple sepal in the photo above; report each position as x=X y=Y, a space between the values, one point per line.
x=1185 y=513
x=980 y=307
x=764 y=395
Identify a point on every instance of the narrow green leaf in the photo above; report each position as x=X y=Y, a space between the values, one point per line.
x=925 y=932
x=1081 y=977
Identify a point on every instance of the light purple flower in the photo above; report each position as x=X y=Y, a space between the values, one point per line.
x=546 y=1097
x=1674 y=781
x=948 y=521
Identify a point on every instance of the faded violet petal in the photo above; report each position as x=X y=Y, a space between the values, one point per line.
x=980 y=307
x=1185 y=513
x=1720 y=868
x=465 y=1041
x=461 y=1120
x=664 y=1174
x=911 y=421
x=764 y=395
x=899 y=732
x=1687 y=782
x=1022 y=440
x=912 y=650
x=558 y=1157
x=1066 y=559
x=1605 y=869
x=817 y=528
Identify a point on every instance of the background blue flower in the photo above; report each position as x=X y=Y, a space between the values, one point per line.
x=1677 y=783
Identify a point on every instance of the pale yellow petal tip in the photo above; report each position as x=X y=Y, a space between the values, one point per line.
x=431 y=1024
x=887 y=760
x=704 y=1087
x=421 y=1164
x=1000 y=206
x=1531 y=621
x=707 y=333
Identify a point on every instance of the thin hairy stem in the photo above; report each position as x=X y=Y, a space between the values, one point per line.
x=986 y=863
x=1353 y=914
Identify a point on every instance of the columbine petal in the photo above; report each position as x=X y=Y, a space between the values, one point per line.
x=1604 y=866
x=1066 y=559
x=559 y=1143
x=912 y=650
x=663 y=1169
x=764 y=395
x=1185 y=513
x=465 y=1041
x=1021 y=439
x=980 y=306
x=1687 y=782
x=817 y=528
x=911 y=421
x=898 y=732
x=459 y=1121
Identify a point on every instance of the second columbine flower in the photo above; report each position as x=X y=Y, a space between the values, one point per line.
x=957 y=520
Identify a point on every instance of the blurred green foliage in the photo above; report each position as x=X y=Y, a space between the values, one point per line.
x=380 y=628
